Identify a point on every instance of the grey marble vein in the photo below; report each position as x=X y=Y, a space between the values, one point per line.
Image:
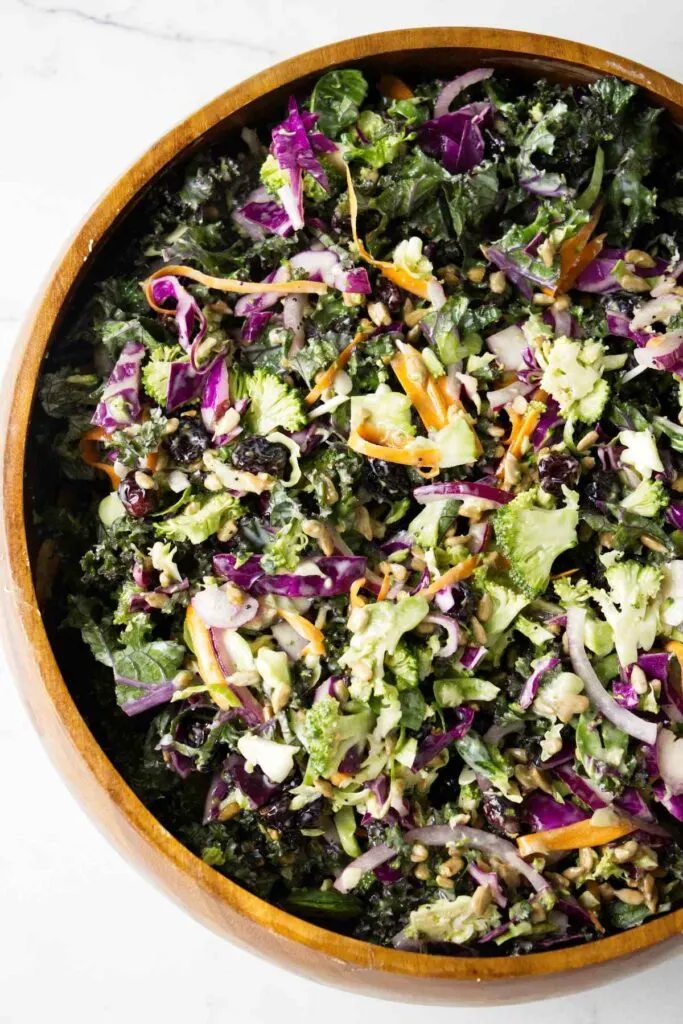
x=107 y=21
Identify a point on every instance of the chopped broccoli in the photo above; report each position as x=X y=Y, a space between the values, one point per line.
x=383 y=626
x=648 y=499
x=386 y=412
x=329 y=735
x=198 y=525
x=272 y=404
x=641 y=452
x=631 y=607
x=155 y=372
x=602 y=749
x=573 y=376
x=506 y=600
x=532 y=538
x=408 y=256
x=457 y=442
x=404 y=664
x=273 y=178
x=451 y=921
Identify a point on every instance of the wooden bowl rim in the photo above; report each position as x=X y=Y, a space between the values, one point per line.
x=502 y=46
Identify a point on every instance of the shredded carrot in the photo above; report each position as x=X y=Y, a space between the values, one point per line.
x=562 y=575
x=675 y=647
x=355 y=600
x=306 y=629
x=327 y=377
x=528 y=424
x=574 y=837
x=415 y=285
x=573 y=258
x=420 y=387
x=394 y=88
x=229 y=284
x=90 y=454
x=407 y=456
x=451 y=576
x=428 y=474
x=515 y=420
x=207 y=662
x=386 y=586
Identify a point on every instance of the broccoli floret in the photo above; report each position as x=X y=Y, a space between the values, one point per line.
x=384 y=625
x=272 y=176
x=573 y=376
x=648 y=499
x=632 y=606
x=532 y=538
x=272 y=404
x=155 y=373
x=329 y=735
x=451 y=921
x=197 y=526
x=507 y=602
x=386 y=412
x=641 y=452
x=404 y=664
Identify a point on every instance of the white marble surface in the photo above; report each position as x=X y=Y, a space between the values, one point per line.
x=85 y=86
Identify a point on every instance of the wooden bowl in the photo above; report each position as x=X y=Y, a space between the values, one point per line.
x=210 y=897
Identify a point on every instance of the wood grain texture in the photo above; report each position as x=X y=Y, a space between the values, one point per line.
x=211 y=898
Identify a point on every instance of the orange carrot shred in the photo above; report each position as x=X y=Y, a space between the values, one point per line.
x=394 y=88
x=386 y=586
x=574 y=837
x=327 y=377
x=229 y=284
x=461 y=571
x=355 y=600
x=89 y=453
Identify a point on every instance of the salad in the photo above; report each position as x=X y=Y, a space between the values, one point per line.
x=370 y=509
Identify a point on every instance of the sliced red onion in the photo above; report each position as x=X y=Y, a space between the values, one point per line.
x=368 y=861
x=491 y=879
x=495 y=733
x=436 y=294
x=479 y=537
x=216 y=610
x=659 y=310
x=503 y=396
x=670 y=758
x=580 y=787
x=665 y=354
x=530 y=688
x=508 y=347
x=293 y=319
x=458 y=85
x=472 y=656
x=625 y=720
x=452 y=629
x=441 y=835
x=461 y=489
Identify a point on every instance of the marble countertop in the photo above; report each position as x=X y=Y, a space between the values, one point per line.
x=85 y=87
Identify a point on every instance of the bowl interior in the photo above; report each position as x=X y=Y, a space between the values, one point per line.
x=414 y=55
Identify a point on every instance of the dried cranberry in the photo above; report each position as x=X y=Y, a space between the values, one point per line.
x=257 y=455
x=464 y=601
x=501 y=815
x=137 y=501
x=388 y=293
x=599 y=490
x=384 y=480
x=556 y=470
x=189 y=442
